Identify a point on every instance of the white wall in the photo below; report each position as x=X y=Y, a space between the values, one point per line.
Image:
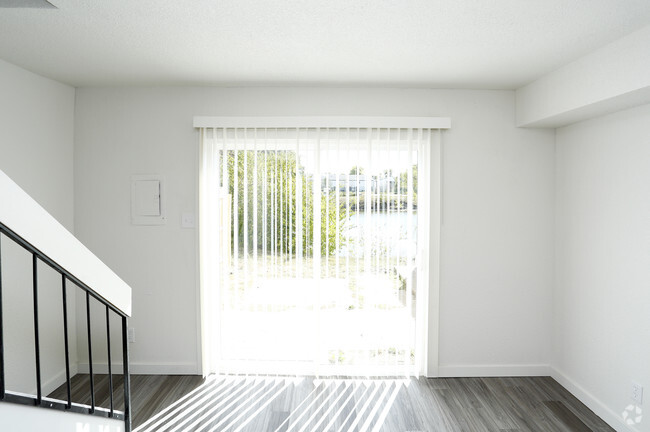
x=602 y=294
x=497 y=236
x=614 y=77
x=36 y=138
x=36 y=151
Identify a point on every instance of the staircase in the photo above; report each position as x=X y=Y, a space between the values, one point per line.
x=51 y=289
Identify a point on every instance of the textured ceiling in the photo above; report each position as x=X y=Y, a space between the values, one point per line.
x=408 y=43
x=25 y=4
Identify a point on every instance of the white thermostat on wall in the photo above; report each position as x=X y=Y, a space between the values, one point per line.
x=147 y=203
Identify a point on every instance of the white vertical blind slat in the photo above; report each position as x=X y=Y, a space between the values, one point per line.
x=274 y=210
x=368 y=228
x=265 y=208
x=225 y=220
x=409 y=219
x=246 y=187
x=316 y=247
x=369 y=173
x=425 y=144
x=255 y=202
x=299 y=215
x=235 y=218
x=287 y=204
x=281 y=210
x=337 y=156
x=326 y=158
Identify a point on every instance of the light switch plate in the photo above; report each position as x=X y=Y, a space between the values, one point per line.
x=188 y=220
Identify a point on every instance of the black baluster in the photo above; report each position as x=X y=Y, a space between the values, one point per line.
x=127 y=380
x=37 y=348
x=2 y=342
x=65 y=339
x=110 y=369
x=90 y=356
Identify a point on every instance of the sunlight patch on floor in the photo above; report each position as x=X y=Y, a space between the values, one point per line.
x=241 y=403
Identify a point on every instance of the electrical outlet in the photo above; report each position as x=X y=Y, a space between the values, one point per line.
x=131 y=334
x=637 y=393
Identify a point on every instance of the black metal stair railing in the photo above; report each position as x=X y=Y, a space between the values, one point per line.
x=38 y=399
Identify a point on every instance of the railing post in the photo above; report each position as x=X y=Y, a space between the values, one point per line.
x=90 y=356
x=37 y=348
x=127 y=380
x=65 y=339
x=2 y=341
x=110 y=368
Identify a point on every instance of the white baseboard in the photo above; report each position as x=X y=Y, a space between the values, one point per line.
x=453 y=371
x=610 y=417
x=145 y=368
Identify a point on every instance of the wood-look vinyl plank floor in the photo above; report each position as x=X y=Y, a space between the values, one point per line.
x=305 y=404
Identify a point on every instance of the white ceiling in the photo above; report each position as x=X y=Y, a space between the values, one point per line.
x=497 y=44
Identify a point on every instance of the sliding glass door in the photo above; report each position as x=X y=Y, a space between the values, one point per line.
x=311 y=250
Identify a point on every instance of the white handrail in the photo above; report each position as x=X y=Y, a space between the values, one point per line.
x=23 y=215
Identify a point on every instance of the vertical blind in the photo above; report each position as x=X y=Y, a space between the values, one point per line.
x=311 y=249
